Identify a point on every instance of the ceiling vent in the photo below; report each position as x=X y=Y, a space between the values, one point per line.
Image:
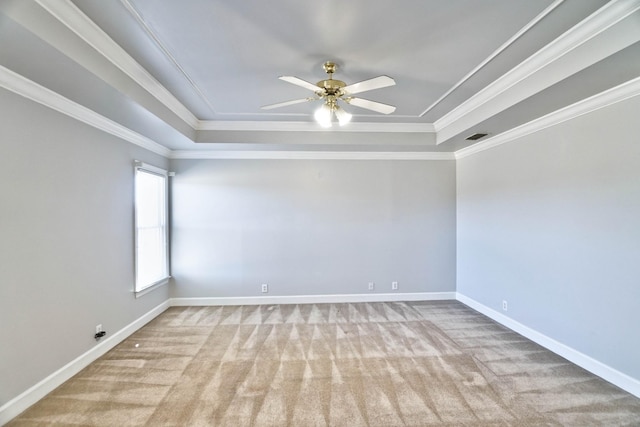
x=476 y=136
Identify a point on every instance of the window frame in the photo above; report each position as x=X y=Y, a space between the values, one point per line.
x=143 y=288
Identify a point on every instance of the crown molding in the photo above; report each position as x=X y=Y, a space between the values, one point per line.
x=495 y=53
x=73 y=18
x=165 y=51
x=307 y=155
x=259 y=126
x=611 y=96
x=598 y=22
x=44 y=96
x=29 y=89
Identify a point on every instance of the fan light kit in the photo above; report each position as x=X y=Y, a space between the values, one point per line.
x=333 y=91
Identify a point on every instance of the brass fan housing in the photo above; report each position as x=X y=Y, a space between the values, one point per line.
x=330 y=87
x=330 y=67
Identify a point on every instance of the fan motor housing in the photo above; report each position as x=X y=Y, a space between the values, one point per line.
x=331 y=86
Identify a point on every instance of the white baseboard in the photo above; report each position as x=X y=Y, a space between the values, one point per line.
x=594 y=366
x=18 y=404
x=312 y=299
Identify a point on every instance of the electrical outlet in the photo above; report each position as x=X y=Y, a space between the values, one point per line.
x=504 y=305
x=372 y=286
x=99 y=332
x=394 y=286
x=265 y=288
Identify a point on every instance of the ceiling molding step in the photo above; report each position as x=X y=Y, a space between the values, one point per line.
x=259 y=126
x=306 y=155
x=495 y=53
x=597 y=23
x=29 y=89
x=167 y=54
x=611 y=96
x=73 y=18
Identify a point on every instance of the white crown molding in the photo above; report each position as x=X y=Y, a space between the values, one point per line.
x=609 y=97
x=259 y=126
x=42 y=95
x=73 y=18
x=594 y=366
x=607 y=16
x=145 y=27
x=307 y=155
x=37 y=93
x=497 y=52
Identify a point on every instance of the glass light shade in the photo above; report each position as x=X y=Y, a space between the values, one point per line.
x=343 y=116
x=323 y=116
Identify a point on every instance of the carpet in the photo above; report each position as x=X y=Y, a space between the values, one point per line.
x=362 y=364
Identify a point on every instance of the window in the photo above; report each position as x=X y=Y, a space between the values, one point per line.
x=151 y=228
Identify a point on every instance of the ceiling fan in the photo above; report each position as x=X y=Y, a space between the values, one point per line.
x=334 y=91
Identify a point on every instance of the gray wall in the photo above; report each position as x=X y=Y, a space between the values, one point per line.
x=551 y=223
x=312 y=227
x=66 y=246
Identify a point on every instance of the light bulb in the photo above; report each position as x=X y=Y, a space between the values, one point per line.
x=323 y=116
x=343 y=116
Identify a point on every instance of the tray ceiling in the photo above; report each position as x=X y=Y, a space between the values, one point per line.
x=192 y=75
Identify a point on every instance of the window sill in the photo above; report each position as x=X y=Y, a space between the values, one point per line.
x=153 y=287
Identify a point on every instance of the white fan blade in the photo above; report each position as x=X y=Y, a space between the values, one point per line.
x=371 y=105
x=299 y=82
x=374 y=83
x=284 y=104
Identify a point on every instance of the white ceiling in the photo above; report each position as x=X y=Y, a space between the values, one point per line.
x=192 y=74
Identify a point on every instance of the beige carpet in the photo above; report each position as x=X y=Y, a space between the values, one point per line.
x=365 y=364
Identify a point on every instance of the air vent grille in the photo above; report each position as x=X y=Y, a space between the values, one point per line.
x=476 y=136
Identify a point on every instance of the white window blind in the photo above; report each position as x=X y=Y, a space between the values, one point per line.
x=151 y=228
